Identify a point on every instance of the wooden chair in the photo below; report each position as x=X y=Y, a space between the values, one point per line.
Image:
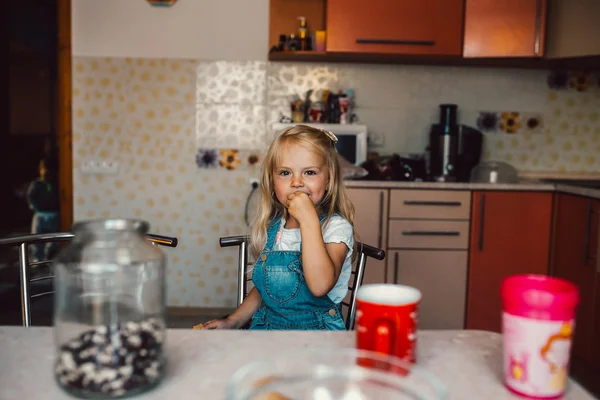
x=23 y=242
x=358 y=270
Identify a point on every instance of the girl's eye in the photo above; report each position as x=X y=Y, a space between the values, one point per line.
x=311 y=172
x=283 y=173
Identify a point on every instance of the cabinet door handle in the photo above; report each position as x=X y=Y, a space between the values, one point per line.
x=538 y=28
x=432 y=203
x=588 y=234
x=380 y=234
x=430 y=233
x=396 y=267
x=396 y=42
x=481 y=221
x=588 y=229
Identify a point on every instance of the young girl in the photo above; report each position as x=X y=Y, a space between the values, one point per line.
x=303 y=237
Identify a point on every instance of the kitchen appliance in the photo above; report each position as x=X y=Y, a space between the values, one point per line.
x=494 y=172
x=352 y=139
x=453 y=149
x=397 y=167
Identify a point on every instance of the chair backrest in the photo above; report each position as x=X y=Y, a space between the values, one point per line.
x=363 y=251
x=24 y=264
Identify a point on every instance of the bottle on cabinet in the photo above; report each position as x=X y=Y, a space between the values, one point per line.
x=303 y=34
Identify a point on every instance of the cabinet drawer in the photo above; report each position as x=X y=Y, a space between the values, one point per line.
x=430 y=204
x=424 y=234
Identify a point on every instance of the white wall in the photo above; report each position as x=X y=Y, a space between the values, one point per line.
x=193 y=29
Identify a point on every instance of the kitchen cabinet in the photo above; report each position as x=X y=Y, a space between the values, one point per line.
x=395 y=26
x=505 y=28
x=283 y=17
x=510 y=234
x=428 y=240
x=575 y=258
x=596 y=316
x=590 y=380
x=441 y=276
x=573 y=28
x=430 y=204
x=370 y=225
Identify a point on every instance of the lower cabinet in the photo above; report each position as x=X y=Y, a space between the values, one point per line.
x=575 y=257
x=510 y=235
x=441 y=276
x=370 y=225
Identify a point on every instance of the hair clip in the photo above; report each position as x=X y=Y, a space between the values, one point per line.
x=330 y=135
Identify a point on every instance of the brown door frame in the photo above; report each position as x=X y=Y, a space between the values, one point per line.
x=63 y=120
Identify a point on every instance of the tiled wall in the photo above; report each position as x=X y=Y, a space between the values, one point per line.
x=141 y=113
x=165 y=121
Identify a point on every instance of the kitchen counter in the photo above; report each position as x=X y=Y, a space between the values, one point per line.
x=469 y=363
x=578 y=190
x=525 y=185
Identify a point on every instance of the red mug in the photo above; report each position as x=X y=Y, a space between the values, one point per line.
x=387 y=320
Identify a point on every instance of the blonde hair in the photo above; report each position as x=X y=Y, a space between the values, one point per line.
x=335 y=201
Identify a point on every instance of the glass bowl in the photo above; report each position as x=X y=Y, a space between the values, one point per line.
x=333 y=374
x=494 y=172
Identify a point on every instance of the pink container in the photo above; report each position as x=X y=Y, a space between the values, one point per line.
x=537 y=323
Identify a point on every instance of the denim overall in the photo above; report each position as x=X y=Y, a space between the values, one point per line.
x=287 y=303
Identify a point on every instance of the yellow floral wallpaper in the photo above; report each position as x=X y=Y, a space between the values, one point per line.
x=140 y=113
x=569 y=141
x=187 y=136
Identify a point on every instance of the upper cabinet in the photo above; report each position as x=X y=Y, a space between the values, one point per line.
x=546 y=34
x=395 y=26
x=505 y=28
x=573 y=28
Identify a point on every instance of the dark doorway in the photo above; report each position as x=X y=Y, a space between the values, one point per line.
x=29 y=133
x=32 y=87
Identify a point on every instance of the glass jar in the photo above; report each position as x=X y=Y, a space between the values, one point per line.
x=110 y=310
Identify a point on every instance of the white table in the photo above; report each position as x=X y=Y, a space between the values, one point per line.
x=469 y=363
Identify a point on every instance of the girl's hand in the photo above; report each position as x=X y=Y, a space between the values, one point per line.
x=219 y=324
x=300 y=206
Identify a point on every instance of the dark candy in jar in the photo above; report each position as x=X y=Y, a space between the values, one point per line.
x=112 y=360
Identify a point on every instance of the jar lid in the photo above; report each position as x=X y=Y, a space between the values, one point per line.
x=112 y=224
x=544 y=293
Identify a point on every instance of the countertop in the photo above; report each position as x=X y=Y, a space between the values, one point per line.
x=469 y=363
x=525 y=185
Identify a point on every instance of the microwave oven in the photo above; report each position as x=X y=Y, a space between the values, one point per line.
x=352 y=139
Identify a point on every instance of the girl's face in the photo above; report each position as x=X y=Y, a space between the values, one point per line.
x=300 y=170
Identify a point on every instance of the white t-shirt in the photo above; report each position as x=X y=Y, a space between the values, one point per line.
x=338 y=230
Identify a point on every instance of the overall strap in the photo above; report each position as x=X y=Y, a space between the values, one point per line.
x=272 y=233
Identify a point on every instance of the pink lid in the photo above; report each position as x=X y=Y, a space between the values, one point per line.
x=551 y=297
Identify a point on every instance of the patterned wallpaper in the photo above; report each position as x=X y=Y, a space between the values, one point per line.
x=188 y=136
x=141 y=113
